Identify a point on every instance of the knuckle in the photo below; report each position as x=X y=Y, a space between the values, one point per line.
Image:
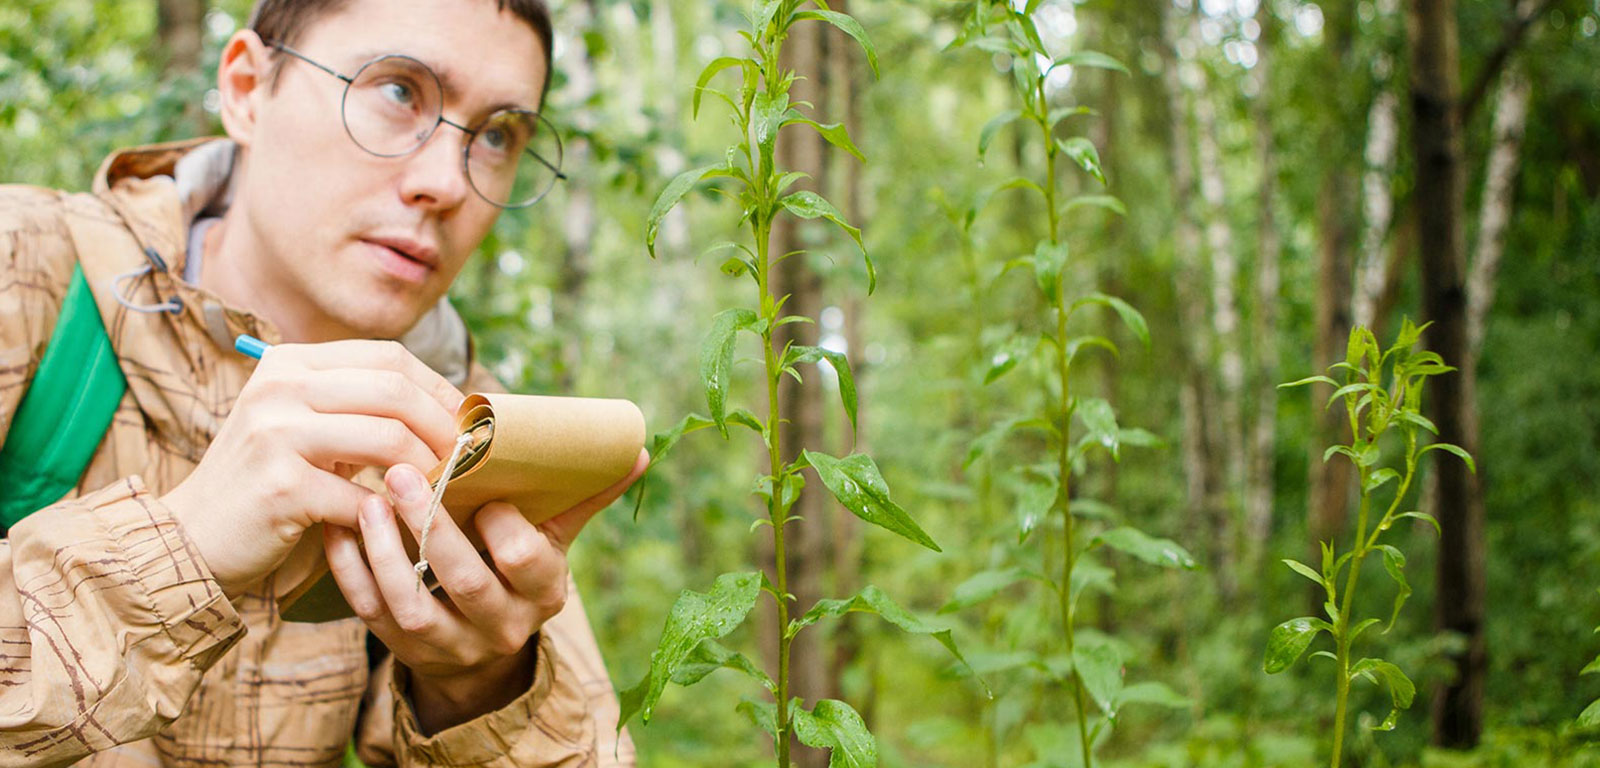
x=509 y=643
x=553 y=598
x=474 y=586
x=414 y=620
x=517 y=554
x=365 y=607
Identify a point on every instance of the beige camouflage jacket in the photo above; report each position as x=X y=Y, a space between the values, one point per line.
x=116 y=646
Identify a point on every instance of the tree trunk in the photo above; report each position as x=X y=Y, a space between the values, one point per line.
x=179 y=27
x=1191 y=303
x=1259 y=483
x=1225 y=329
x=1499 y=185
x=1377 y=205
x=801 y=404
x=1437 y=142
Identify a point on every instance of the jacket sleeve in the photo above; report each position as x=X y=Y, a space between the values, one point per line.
x=568 y=718
x=108 y=617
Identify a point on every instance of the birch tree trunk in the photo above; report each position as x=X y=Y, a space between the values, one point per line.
x=1225 y=332
x=1259 y=481
x=1187 y=277
x=1437 y=142
x=1377 y=204
x=1499 y=185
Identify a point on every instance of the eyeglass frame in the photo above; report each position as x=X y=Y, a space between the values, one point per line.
x=471 y=133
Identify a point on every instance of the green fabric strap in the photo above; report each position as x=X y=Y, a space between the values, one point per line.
x=65 y=413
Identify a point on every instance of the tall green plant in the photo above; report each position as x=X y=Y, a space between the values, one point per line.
x=689 y=649
x=1382 y=397
x=1072 y=425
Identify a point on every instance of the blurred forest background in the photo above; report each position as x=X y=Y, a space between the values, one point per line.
x=1266 y=152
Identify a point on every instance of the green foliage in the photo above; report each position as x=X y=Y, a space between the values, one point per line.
x=1382 y=396
x=761 y=109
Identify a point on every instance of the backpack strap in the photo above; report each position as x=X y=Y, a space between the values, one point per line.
x=66 y=411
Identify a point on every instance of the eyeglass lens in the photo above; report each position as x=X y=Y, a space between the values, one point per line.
x=393 y=105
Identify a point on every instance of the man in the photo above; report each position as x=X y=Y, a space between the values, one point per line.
x=373 y=143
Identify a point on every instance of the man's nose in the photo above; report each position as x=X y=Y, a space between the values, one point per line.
x=434 y=175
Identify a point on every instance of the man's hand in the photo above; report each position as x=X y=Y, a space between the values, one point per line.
x=470 y=654
x=310 y=415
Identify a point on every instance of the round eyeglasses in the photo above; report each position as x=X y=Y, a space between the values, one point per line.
x=394 y=103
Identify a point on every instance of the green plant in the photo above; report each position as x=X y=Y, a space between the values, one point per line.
x=1089 y=665
x=1382 y=396
x=689 y=649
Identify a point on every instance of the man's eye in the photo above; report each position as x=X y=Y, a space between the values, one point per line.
x=398 y=92
x=495 y=138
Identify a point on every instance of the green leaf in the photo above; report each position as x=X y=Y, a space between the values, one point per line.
x=1107 y=202
x=767 y=113
x=1425 y=517
x=833 y=725
x=872 y=600
x=1076 y=344
x=669 y=197
x=1082 y=152
x=1162 y=552
x=857 y=484
x=694 y=618
x=848 y=26
x=993 y=127
x=834 y=133
x=1592 y=667
x=1091 y=59
x=1378 y=478
x=841 y=367
x=1306 y=571
x=1099 y=667
x=662 y=442
x=1048 y=260
x=986 y=442
x=1590 y=717
x=1394 y=561
x=716 y=360
x=1455 y=449
x=1101 y=422
x=1011 y=353
x=711 y=70
x=710 y=656
x=1034 y=504
x=1310 y=380
x=762 y=714
x=1401 y=690
x=982 y=586
x=1287 y=641
x=810 y=205
x=1153 y=692
x=1130 y=316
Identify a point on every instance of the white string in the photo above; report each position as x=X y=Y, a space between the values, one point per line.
x=433 y=506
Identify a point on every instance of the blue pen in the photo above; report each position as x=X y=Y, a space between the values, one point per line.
x=251 y=346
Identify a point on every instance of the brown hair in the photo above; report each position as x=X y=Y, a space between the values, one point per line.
x=283 y=21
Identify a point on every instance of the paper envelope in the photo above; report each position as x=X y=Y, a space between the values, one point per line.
x=541 y=454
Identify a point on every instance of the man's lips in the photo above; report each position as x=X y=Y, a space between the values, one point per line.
x=409 y=260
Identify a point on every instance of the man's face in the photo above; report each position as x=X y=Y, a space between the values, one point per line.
x=364 y=245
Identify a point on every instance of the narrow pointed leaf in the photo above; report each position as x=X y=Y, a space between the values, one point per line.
x=1105 y=202
x=841 y=367
x=1162 y=552
x=1454 y=449
x=711 y=70
x=1306 y=571
x=1091 y=59
x=993 y=127
x=1082 y=152
x=810 y=205
x=716 y=360
x=833 y=133
x=873 y=600
x=848 y=26
x=856 y=482
x=1130 y=317
x=1401 y=690
x=1394 y=561
x=669 y=197
x=1099 y=667
x=982 y=586
x=710 y=656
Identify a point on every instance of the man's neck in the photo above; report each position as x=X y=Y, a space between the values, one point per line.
x=233 y=270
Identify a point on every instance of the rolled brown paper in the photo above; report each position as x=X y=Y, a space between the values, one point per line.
x=546 y=455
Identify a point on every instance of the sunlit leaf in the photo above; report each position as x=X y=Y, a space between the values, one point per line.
x=716 y=360
x=1082 y=152
x=810 y=205
x=850 y=27
x=1287 y=641
x=669 y=197
x=857 y=484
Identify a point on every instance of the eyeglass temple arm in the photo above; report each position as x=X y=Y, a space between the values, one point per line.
x=546 y=163
x=304 y=58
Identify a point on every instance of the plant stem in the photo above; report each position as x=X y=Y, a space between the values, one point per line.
x=1069 y=548
x=775 y=510
x=1341 y=628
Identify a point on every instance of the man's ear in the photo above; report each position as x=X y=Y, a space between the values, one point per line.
x=244 y=82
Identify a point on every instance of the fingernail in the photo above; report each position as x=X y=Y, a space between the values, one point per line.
x=407 y=484
x=373 y=511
